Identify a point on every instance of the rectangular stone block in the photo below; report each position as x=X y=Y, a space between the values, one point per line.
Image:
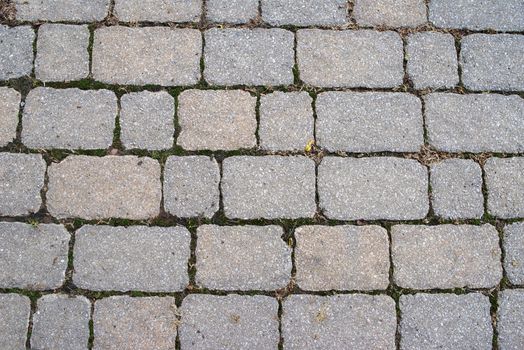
x=514 y=252
x=509 y=319
x=505 y=184
x=390 y=13
x=105 y=187
x=445 y=256
x=61 y=10
x=9 y=107
x=158 y=10
x=14 y=320
x=304 y=12
x=16 y=51
x=231 y=11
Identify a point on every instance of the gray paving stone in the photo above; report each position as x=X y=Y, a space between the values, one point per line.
x=62 y=52
x=147 y=120
x=158 y=10
x=509 y=320
x=16 y=51
x=475 y=123
x=61 y=10
x=270 y=187
x=339 y=322
x=105 y=187
x=21 y=180
x=232 y=11
x=135 y=258
x=373 y=188
x=9 y=107
x=493 y=62
x=503 y=15
x=369 y=122
x=249 y=56
x=286 y=121
x=33 y=257
x=432 y=60
x=391 y=13
x=342 y=258
x=125 y=323
x=446 y=256
x=191 y=186
x=445 y=321
x=69 y=118
x=242 y=258
x=14 y=320
x=229 y=322
x=216 y=120
x=61 y=322
x=141 y=56
x=514 y=252
x=304 y=12
x=456 y=186
x=328 y=58
x=505 y=181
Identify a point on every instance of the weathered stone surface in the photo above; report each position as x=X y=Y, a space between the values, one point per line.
x=445 y=256
x=373 y=188
x=475 y=123
x=242 y=258
x=509 y=319
x=342 y=258
x=216 y=120
x=514 y=252
x=9 y=106
x=232 y=11
x=61 y=10
x=69 y=118
x=286 y=121
x=125 y=323
x=391 y=13
x=147 y=120
x=268 y=187
x=33 y=257
x=493 y=62
x=21 y=180
x=104 y=187
x=445 y=321
x=249 y=56
x=141 y=56
x=152 y=259
x=158 y=10
x=456 y=189
x=304 y=12
x=329 y=59
x=61 y=322
x=229 y=322
x=339 y=322
x=62 y=52
x=16 y=51
x=369 y=122
x=14 y=320
x=505 y=181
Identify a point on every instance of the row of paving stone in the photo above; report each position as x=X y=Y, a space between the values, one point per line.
x=325 y=58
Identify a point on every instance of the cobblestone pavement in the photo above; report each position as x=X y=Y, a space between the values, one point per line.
x=262 y=174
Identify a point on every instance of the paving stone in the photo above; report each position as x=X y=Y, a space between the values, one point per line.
x=475 y=123
x=135 y=258
x=33 y=257
x=158 y=10
x=328 y=58
x=141 y=56
x=147 y=120
x=391 y=13
x=232 y=11
x=216 y=120
x=503 y=15
x=514 y=252
x=446 y=256
x=270 y=187
x=432 y=60
x=62 y=52
x=249 y=56
x=125 y=323
x=69 y=118
x=61 y=10
x=456 y=186
x=369 y=122
x=61 y=322
x=229 y=322
x=16 y=51
x=242 y=258
x=445 y=321
x=493 y=62
x=9 y=106
x=125 y=187
x=21 y=180
x=342 y=258
x=509 y=319
x=304 y=12
x=286 y=121
x=356 y=188
x=14 y=320
x=339 y=322
x=505 y=181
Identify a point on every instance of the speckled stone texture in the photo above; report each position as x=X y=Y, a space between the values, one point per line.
x=16 y=51
x=14 y=320
x=514 y=252
x=509 y=319
x=158 y=10
x=505 y=181
x=390 y=13
x=304 y=12
x=9 y=107
x=61 y=10
x=232 y=11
